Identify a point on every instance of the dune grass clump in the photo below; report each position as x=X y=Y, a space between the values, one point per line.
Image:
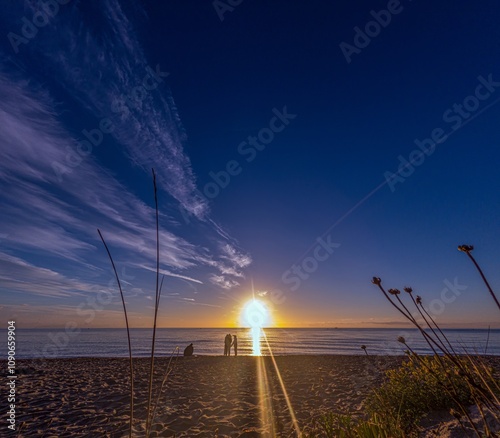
x=334 y=425
x=416 y=388
x=395 y=409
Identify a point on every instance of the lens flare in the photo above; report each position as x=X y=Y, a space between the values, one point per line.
x=256 y=316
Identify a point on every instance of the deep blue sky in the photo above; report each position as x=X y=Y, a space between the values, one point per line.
x=226 y=81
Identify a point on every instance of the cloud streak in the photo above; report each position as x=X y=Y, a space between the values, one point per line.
x=170 y=274
x=20 y=276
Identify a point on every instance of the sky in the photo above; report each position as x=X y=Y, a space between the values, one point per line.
x=300 y=148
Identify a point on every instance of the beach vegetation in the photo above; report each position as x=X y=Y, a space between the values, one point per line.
x=418 y=387
x=336 y=425
x=450 y=379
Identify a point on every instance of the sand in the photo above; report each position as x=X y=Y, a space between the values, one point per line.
x=205 y=396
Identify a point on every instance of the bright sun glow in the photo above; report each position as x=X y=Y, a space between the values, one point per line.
x=255 y=315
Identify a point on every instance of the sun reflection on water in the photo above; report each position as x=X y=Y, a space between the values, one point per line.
x=256 y=341
x=255 y=316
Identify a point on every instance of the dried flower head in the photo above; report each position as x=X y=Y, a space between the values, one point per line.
x=418 y=299
x=376 y=280
x=363 y=347
x=402 y=340
x=408 y=289
x=394 y=291
x=465 y=248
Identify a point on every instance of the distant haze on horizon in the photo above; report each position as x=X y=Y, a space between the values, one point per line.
x=299 y=149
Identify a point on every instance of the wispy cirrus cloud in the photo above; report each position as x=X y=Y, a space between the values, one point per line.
x=106 y=71
x=236 y=257
x=47 y=216
x=102 y=70
x=223 y=282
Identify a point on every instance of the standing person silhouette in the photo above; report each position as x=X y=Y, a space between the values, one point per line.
x=235 y=344
x=227 y=345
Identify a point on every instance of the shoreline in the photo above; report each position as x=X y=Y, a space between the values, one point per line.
x=161 y=356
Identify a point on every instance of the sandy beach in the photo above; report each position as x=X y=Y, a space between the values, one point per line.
x=205 y=396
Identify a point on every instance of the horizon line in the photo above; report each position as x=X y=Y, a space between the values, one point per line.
x=244 y=328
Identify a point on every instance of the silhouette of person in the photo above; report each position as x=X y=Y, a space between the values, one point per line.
x=235 y=345
x=227 y=345
x=188 y=351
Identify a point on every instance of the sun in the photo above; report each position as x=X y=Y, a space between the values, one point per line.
x=255 y=315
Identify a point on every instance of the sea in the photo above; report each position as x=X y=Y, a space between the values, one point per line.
x=58 y=343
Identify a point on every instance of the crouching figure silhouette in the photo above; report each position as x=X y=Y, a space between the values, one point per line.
x=188 y=351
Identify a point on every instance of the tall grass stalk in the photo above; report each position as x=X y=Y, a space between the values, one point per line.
x=165 y=378
x=157 y=303
x=487 y=340
x=378 y=282
x=467 y=249
x=128 y=334
x=420 y=306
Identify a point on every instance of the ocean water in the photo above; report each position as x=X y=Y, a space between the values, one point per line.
x=52 y=343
